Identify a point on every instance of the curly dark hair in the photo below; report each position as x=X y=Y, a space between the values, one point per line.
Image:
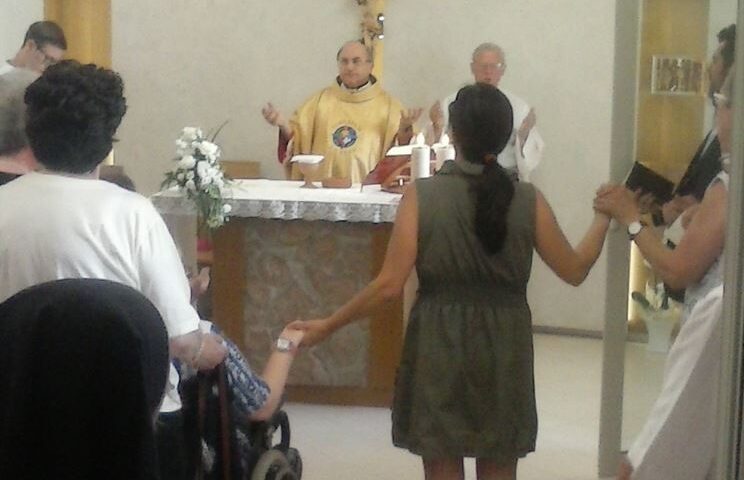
x=73 y=112
x=482 y=123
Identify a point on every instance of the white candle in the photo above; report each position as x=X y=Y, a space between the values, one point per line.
x=420 y=161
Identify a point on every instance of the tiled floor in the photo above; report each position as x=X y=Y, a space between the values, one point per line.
x=354 y=443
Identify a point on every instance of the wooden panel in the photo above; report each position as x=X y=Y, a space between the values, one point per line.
x=670 y=128
x=228 y=278
x=241 y=169
x=87 y=27
x=386 y=327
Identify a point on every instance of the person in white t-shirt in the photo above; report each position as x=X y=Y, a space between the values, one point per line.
x=43 y=45
x=525 y=148
x=62 y=222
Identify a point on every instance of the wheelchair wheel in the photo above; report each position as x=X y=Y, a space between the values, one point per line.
x=295 y=461
x=273 y=465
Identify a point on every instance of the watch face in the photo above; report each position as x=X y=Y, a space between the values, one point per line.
x=283 y=345
x=634 y=228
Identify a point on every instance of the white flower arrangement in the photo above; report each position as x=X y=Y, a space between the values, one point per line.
x=199 y=175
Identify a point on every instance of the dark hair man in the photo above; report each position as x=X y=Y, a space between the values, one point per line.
x=43 y=45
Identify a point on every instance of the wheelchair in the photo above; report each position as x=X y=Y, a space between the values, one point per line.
x=222 y=444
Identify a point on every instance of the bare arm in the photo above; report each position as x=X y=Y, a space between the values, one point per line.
x=697 y=251
x=202 y=351
x=275 y=375
x=570 y=264
x=399 y=261
x=275 y=118
x=405 y=127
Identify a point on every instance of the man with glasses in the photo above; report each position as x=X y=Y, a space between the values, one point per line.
x=352 y=123
x=43 y=45
x=524 y=150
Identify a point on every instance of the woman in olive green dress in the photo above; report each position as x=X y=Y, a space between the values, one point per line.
x=465 y=386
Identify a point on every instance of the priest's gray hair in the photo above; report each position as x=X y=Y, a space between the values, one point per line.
x=367 y=48
x=489 y=47
x=13 y=110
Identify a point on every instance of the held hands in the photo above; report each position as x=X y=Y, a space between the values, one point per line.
x=292 y=334
x=617 y=202
x=314 y=331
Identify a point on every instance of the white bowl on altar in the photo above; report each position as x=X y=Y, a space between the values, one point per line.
x=312 y=159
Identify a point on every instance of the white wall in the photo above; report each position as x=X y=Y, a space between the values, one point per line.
x=207 y=61
x=560 y=59
x=16 y=16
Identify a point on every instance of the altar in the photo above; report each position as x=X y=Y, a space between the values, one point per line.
x=292 y=253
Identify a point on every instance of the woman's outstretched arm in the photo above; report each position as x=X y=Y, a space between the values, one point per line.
x=570 y=264
x=399 y=261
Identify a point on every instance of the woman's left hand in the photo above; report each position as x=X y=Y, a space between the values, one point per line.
x=315 y=331
x=620 y=203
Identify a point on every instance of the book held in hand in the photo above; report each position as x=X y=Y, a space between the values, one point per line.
x=649 y=182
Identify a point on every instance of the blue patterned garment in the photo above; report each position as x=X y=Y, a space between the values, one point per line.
x=250 y=392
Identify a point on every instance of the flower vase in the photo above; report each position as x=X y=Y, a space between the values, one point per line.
x=203 y=236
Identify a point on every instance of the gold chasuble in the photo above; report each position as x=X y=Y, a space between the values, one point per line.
x=352 y=129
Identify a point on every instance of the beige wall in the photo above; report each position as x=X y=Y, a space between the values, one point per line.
x=16 y=16
x=563 y=66
x=205 y=62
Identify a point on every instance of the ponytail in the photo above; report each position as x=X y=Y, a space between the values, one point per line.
x=482 y=122
x=494 y=190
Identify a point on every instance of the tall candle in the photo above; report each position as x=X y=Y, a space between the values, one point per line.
x=420 y=161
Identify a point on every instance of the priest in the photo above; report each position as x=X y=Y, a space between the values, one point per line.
x=524 y=150
x=352 y=122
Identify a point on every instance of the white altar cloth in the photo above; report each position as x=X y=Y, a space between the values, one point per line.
x=285 y=200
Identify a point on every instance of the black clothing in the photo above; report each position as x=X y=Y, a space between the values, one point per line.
x=84 y=367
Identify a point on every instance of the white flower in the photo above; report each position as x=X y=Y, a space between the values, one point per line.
x=180 y=177
x=189 y=134
x=209 y=149
x=183 y=148
x=202 y=169
x=187 y=162
x=190 y=185
x=190 y=175
x=226 y=208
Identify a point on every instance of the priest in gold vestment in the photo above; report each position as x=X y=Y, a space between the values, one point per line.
x=352 y=123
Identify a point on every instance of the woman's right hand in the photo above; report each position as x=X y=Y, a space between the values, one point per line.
x=315 y=331
x=618 y=202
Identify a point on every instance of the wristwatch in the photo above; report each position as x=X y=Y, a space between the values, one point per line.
x=634 y=228
x=285 y=345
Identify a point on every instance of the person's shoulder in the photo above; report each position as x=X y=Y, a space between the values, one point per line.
x=514 y=99
x=528 y=192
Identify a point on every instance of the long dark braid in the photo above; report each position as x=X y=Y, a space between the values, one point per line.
x=482 y=123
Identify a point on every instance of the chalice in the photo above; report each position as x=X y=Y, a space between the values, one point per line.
x=309 y=166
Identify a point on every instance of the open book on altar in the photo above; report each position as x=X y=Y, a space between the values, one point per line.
x=397 y=162
x=648 y=181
